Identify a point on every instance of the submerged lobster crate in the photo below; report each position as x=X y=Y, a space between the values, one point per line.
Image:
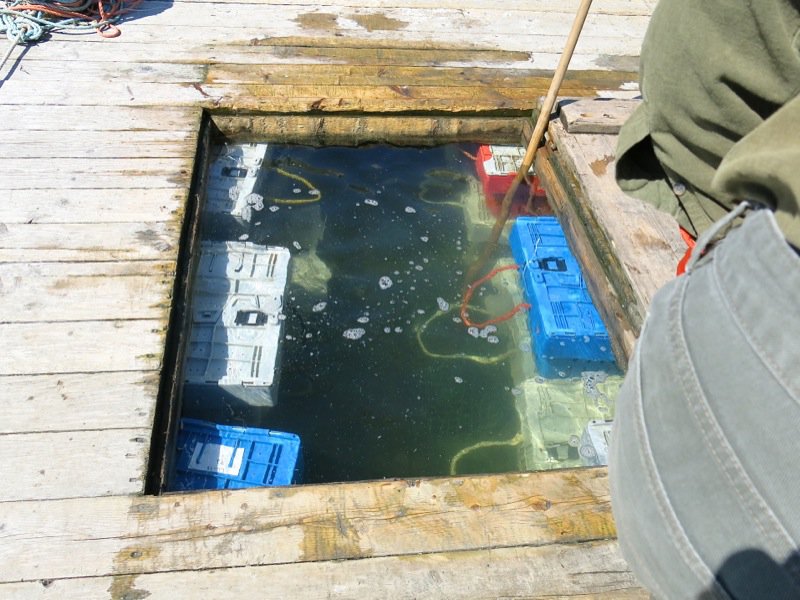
x=233 y=178
x=210 y=456
x=237 y=323
x=569 y=335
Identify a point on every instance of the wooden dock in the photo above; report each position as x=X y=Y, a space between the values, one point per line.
x=97 y=163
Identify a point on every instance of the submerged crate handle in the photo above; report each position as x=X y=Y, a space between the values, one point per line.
x=553 y=263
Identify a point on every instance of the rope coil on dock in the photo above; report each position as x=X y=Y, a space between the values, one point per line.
x=25 y=21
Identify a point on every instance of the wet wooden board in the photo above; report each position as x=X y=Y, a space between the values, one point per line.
x=591 y=570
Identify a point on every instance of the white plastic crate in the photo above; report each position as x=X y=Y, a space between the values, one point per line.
x=232 y=179
x=478 y=218
x=594 y=443
x=236 y=320
x=505 y=160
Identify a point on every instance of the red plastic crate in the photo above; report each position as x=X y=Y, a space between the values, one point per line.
x=496 y=167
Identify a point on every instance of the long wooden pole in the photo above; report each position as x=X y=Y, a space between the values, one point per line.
x=536 y=138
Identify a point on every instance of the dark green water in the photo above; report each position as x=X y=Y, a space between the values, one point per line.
x=379 y=405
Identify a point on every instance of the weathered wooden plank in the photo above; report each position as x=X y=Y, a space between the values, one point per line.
x=40 y=466
x=596 y=116
x=386 y=75
x=348 y=130
x=292 y=51
x=98 y=72
x=81 y=346
x=84 y=401
x=569 y=7
x=47 y=145
x=263 y=526
x=29 y=118
x=93 y=205
x=76 y=173
x=286 y=19
x=594 y=570
x=85 y=291
x=290 y=98
x=88 y=242
x=594 y=44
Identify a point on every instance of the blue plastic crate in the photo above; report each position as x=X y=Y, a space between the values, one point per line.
x=210 y=456
x=564 y=322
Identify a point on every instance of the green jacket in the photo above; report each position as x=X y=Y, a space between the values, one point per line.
x=719 y=80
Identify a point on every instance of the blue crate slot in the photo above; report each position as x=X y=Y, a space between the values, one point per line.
x=210 y=456
x=564 y=322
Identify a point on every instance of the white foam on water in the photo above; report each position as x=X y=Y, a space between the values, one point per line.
x=355 y=333
x=473 y=331
x=410 y=209
x=274 y=208
x=296 y=190
x=297 y=245
x=398 y=329
x=243 y=237
x=424 y=238
x=363 y=320
x=370 y=201
x=319 y=307
x=314 y=192
x=443 y=304
x=458 y=380
x=385 y=282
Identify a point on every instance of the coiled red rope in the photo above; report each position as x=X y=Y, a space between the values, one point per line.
x=471 y=290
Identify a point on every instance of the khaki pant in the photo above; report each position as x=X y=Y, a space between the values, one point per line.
x=705 y=453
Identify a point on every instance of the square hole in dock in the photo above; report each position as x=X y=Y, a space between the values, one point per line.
x=328 y=303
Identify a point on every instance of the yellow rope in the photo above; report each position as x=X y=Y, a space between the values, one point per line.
x=514 y=441
x=304 y=181
x=483 y=360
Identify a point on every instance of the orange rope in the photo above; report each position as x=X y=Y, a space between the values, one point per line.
x=468 y=296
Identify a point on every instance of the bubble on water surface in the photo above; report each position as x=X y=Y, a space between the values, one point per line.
x=458 y=380
x=363 y=319
x=371 y=202
x=319 y=307
x=410 y=209
x=354 y=334
x=443 y=304
x=385 y=282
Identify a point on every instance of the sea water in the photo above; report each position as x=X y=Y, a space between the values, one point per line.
x=379 y=376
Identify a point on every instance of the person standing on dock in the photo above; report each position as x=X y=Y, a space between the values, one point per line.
x=705 y=486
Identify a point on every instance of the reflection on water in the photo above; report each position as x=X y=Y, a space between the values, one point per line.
x=378 y=375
